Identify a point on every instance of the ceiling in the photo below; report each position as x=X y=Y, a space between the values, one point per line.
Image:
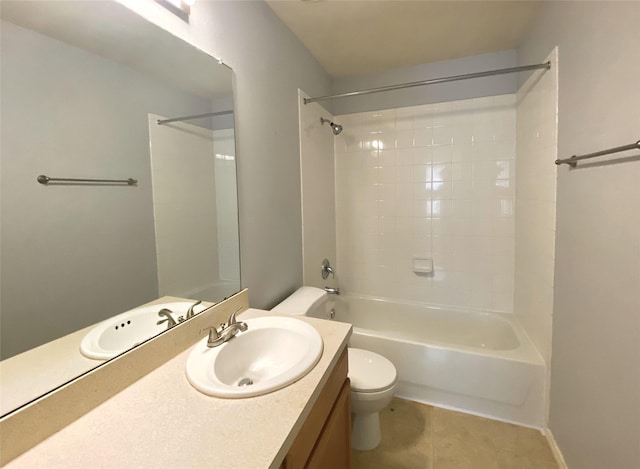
x=113 y=31
x=355 y=37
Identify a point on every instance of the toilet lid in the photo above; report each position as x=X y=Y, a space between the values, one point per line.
x=370 y=372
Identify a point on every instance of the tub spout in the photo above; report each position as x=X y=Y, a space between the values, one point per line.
x=332 y=291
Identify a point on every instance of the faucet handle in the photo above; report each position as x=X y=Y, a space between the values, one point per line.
x=190 y=312
x=327 y=269
x=213 y=333
x=166 y=314
x=232 y=318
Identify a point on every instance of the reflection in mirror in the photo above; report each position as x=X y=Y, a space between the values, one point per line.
x=83 y=87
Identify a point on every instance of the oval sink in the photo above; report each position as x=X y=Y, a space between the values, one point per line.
x=271 y=354
x=119 y=333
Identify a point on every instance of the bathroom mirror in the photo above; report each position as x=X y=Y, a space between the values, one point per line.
x=83 y=87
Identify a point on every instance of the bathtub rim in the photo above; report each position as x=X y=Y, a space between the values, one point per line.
x=525 y=352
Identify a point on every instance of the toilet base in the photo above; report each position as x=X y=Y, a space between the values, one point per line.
x=365 y=431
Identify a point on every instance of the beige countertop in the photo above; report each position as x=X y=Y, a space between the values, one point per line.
x=161 y=421
x=32 y=373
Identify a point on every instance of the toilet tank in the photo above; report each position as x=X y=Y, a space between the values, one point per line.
x=307 y=301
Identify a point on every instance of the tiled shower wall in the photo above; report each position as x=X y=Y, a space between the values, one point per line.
x=432 y=181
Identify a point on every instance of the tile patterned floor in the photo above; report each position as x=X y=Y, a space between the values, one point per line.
x=419 y=436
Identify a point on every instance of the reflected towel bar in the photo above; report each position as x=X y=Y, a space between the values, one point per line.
x=572 y=161
x=42 y=179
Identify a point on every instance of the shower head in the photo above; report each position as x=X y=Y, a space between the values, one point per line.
x=337 y=128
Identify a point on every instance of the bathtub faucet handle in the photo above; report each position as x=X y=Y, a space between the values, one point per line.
x=327 y=269
x=332 y=291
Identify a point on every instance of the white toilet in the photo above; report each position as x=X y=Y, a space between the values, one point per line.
x=372 y=376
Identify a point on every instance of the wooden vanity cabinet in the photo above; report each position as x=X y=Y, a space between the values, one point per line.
x=324 y=441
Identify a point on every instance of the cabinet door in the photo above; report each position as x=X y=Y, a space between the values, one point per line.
x=316 y=421
x=333 y=448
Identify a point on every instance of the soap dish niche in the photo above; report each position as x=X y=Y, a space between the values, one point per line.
x=422 y=265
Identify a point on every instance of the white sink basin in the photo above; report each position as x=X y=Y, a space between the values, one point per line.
x=271 y=354
x=119 y=333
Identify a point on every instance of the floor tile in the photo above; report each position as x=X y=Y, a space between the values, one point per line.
x=533 y=449
x=405 y=424
x=492 y=433
x=419 y=436
x=514 y=460
x=406 y=433
x=456 y=453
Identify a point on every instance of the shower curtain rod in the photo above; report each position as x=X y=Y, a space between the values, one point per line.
x=502 y=71
x=197 y=116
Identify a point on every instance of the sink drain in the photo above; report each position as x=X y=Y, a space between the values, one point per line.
x=245 y=382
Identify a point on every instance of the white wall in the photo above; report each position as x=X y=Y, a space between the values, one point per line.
x=69 y=113
x=536 y=149
x=491 y=86
x=269 y=65
x=318 y=193
x=595 y=377
x=431 y=181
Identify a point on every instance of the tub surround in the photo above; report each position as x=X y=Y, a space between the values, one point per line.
x=535 y=205
x=431 y=181
x=162 y=421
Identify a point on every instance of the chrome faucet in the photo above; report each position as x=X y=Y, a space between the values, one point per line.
x=166 y=313
x=190 y=312
x=332 y=291
x=227 y=331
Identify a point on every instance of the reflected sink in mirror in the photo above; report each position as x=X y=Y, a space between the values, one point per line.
x=273 y=353
x=126 y=330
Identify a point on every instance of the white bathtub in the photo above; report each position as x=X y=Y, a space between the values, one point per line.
x=477 y=362
x=213 y=291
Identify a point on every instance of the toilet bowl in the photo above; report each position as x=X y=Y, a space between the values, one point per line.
x=372 y=376
x=373 y=381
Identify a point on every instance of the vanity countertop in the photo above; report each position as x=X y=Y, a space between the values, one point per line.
x=161 y=421
x=33 y=373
